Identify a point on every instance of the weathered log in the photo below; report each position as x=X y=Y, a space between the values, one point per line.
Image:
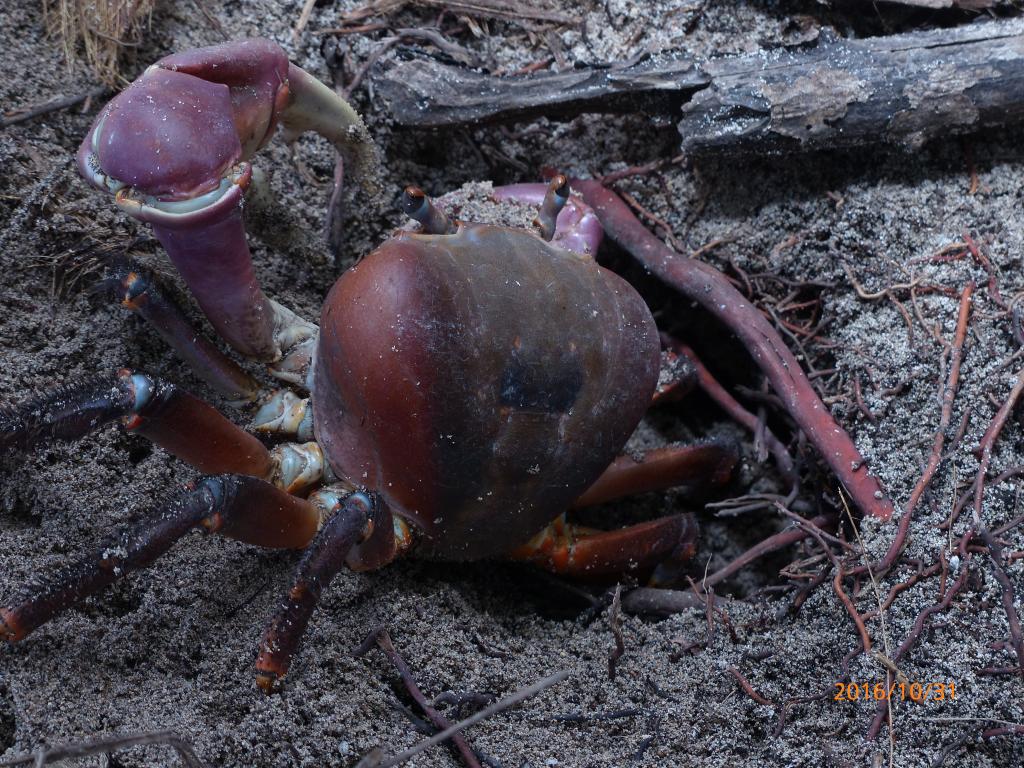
x=960 y=5
x=900 y=89
x=427 y=94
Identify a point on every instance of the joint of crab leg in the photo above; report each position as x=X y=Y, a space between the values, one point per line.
x=324 y=557
x=297 y=341
x=266 y=516
x=285 y=413
x=386 y=538
x=137 y=291
x=571 y=550
x=554 y=201
x=192 y=429
x=416 y=205
x=298 y=466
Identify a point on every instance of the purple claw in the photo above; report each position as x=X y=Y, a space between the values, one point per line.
x=181 y=146
x=173 y=148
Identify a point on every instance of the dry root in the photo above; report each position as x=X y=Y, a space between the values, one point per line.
x=98 y=31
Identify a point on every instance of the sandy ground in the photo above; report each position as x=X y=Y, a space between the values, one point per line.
x=173 y=647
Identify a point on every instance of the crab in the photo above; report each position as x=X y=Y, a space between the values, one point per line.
x=465 y=386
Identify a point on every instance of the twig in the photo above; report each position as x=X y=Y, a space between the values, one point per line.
x=863 y=293
x=843 y=92
x=669 y=601
x=383 y=640
x=837 y=92
x=656 y=220
x=212 y=20
x=512 y=10
x=385 y=46
x=431 y=36
x=837 y=580
x=436 y=39
x=307 y=11
x=594 y=717
x=896 y=589
x=21 y=114
x=887 y=659
x=983 y=261
x=713 y=389
x=956 y=353
x=1009 y=595
x=748 y=688
x=45 y=755
x=497 y=9
x=858 y=398
x=919 y=624
x=988 y=440
x=360 y=29
x=639 y=170
x=483 y=714
x=711 y=245
x=425 y=93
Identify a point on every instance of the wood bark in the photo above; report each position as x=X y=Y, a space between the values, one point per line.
x=899 y=89
x=428 y=94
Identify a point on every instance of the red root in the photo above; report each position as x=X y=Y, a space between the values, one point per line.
x=713 y=291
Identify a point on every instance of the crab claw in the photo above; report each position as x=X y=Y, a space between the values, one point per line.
x=174 y=149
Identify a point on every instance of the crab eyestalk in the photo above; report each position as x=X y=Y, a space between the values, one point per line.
x=562 y=217
x=173 y=148
x=416 y=205
x=555 y=198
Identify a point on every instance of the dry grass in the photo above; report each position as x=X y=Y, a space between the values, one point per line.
x=98 y=32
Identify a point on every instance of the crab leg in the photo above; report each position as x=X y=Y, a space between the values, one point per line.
x=572 y=550
x=178 y=422
x=661 y=469
x=312 y=106
x=325 y=556
x=137 y=291
x=237 y=506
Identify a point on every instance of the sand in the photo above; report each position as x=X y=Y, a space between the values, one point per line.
x=173 y=647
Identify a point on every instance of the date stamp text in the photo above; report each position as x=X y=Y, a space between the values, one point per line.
x=880 y=691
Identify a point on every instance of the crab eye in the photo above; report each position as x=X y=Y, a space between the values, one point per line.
x=416 y=205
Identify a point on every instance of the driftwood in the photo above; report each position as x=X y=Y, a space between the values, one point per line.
x=901 y=89
x=428 y=94
x=961 y=5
